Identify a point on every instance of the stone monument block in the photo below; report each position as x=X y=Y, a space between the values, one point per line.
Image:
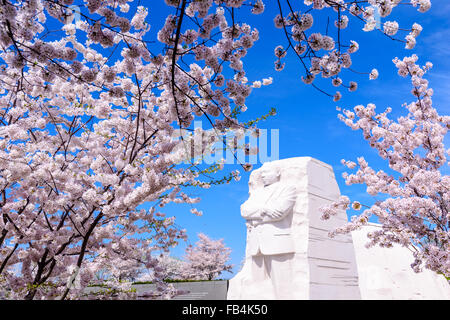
x=289 y=254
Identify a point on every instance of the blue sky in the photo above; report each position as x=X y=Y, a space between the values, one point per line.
x=307 y=119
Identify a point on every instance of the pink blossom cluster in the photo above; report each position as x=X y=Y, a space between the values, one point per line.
x=326 y=54
x=88 y=114
x=415 y=212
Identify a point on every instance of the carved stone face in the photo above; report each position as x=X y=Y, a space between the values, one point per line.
x=269 y=175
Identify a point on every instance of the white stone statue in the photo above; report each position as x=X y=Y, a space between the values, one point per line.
x=290 y=256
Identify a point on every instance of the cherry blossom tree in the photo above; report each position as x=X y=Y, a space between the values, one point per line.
x=207 y=260
x=415 y=212
x=90 y=110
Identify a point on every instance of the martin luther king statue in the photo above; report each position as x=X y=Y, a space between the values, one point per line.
x=287 y=242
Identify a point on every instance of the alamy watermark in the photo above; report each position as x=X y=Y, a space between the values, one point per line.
x=237 y=146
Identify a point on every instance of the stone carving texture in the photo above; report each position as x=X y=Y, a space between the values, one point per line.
x=288 y=253
x=290 y=256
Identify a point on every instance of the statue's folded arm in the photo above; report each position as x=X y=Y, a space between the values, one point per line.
x=279 y=204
